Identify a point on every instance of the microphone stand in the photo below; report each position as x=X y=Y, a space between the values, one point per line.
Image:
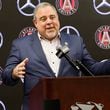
x=62 y=52
x=84 y=69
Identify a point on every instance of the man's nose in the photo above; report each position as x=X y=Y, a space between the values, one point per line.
x=49 y=21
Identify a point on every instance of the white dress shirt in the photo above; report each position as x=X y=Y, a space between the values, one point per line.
x=49 y=48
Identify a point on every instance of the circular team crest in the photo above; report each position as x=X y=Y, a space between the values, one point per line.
x=102 y=37
x=27 y=31
x=67 y=7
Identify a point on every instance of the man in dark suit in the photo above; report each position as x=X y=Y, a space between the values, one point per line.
x=34 y=56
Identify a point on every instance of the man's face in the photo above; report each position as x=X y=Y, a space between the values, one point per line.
x=47 y=22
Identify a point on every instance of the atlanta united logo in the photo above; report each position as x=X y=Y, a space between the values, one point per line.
x=67 y=7
x=87 y=106
x=102 y=37
x=27 y=31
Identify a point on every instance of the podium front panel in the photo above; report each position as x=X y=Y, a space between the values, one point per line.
x=85 y=93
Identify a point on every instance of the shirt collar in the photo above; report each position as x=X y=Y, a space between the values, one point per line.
x=41 y=38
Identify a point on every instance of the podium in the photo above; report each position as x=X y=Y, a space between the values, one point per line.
x=78 y=93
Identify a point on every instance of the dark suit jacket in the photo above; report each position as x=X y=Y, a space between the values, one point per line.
x=38 y=66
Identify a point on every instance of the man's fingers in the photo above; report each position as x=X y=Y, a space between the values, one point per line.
x=21 y=73
x=21 y=66
x=25 y=61
x=21 y=76
x=19 y=70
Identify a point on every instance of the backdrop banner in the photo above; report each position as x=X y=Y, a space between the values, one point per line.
x=89 y=19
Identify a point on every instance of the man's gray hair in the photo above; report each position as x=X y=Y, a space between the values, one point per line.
x=41 y=5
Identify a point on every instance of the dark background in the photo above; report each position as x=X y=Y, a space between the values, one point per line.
x=86 y=20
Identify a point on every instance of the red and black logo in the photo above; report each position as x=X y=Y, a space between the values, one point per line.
x=67 y=7
x=27 y=31
x=102 y=37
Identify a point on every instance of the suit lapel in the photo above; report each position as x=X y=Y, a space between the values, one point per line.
x=63 y=39
x=36 y=46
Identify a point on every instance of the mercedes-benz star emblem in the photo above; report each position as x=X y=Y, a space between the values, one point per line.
x=1 y=39
x=102 y=6
x=69 y=30
x=26 y=8
x=0 y=4
x=2 y=106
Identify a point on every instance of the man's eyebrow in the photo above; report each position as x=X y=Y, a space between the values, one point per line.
x=52 y=15
x=42 y=17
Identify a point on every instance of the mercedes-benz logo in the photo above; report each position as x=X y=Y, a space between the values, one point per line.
x=69 y=30
x=1 y=39
x=0 y=4
x=26 y=7
x=102 y=7
x=2 y=106
x=1 y=71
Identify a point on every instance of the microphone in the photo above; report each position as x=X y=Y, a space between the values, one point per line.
x=62 y=52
